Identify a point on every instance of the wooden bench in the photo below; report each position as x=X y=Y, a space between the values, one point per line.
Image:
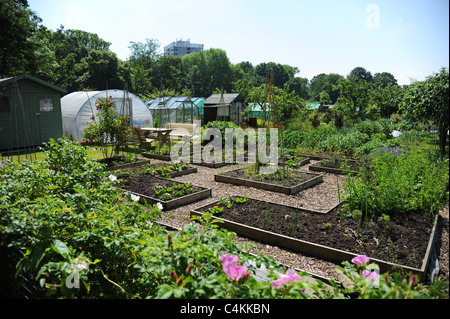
x=178 y=129
x=144 y=141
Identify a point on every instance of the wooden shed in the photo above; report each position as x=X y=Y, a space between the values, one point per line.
x=224 y=107
x=30 y=112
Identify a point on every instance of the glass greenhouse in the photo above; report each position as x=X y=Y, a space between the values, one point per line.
x=77 y=109
x=256 y=110
x=174 y=110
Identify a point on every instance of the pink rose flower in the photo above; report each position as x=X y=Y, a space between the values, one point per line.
x=372 y=275
x=361 y=260
x=231 y=268
x=290 y=276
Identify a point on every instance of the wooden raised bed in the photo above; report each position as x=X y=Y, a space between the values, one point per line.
x=186 y=171
x=210 y=165
x=312 y=179
x=145 y=197
x=157 y=156
x=304 y=161
x=335 y=170
x=321 y=156
x=167 y=158
x=140 y=161
x=313 y=249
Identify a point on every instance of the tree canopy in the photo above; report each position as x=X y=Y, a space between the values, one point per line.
x=78 y=60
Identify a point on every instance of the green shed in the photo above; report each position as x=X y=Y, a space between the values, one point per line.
x=30 y=112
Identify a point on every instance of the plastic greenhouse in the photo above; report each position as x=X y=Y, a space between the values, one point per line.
x=78 y=107
x=174 y=110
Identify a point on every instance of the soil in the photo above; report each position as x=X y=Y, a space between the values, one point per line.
x=144 y=184
x=292 y=178
x=166 y=166
x=113 y=161
x=401 y=240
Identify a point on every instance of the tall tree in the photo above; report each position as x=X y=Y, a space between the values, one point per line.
x=387 y=98
x=17 y=24
x=207 y=71
x=353 y=98
x=300 y=86
x=142 y=62
x=429 y=100
x=361 y=73
x=324 y=82
x=100 y=71
x=195 y=70
x=219 y=69
x=384 y=79
x=167 y=73
x=281 y=73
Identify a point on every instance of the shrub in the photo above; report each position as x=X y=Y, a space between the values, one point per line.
x=108 y=127
x=63 y=220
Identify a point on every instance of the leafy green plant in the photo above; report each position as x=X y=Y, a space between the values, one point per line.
x=165 y=196
x=399 y=182
x=266 y=216
x=66 y=220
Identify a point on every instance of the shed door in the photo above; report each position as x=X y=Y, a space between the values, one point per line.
x=210 y=114
x=24 y=130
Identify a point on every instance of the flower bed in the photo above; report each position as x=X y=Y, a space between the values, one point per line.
x=170 y=194
x=404 y=242
x=293 y=182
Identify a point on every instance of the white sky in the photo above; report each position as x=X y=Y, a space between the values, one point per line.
x=408 y=38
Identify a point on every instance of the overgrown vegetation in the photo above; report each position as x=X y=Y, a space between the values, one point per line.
x=398 y=181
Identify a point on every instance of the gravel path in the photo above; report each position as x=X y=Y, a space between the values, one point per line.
x=321 y=197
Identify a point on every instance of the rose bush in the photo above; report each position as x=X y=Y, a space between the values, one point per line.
x=107 y=127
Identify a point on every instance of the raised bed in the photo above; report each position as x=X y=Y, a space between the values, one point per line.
x=167 y=170
x=189 y=170
x=323 y=155
x=157 y=156
x=334 y=167
x=304 y=181
x=143 y=186
x=167 y=158
x=320 y=234
x=210 y=165
x=296 y=160
x=140 y=161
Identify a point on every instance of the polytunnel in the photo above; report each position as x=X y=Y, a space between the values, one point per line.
x=78 y=107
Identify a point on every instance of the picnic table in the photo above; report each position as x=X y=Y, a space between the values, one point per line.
x=163 y=134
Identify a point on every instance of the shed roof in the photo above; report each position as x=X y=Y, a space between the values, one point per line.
x=215 y=99
x=32 y=78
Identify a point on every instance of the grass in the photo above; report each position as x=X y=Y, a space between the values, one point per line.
x=16 y=157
